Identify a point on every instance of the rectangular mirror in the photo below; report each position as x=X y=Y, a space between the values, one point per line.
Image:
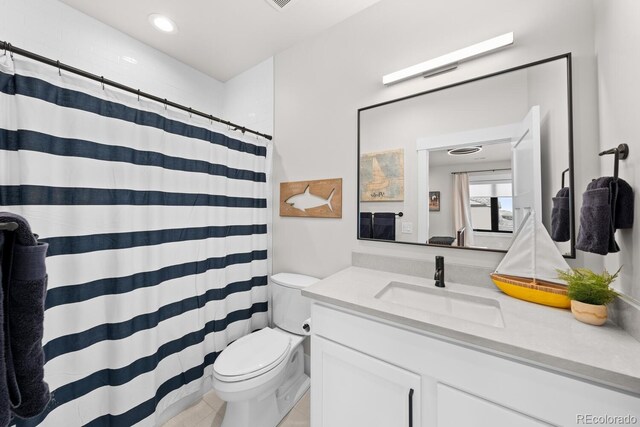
x=460 y=166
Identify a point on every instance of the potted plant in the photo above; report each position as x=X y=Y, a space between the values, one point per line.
x=589 y=293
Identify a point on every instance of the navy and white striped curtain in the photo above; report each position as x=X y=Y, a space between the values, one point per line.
x=157 y=232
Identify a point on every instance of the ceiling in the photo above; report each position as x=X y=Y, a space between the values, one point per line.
x=222 y=38
x=489 y=154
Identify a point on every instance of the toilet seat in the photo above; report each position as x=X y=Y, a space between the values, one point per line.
x=252 y=355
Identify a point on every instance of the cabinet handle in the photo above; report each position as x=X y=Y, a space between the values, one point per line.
x=410 y=407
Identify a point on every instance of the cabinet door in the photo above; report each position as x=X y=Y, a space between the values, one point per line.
x=457 y=408
x=350 y=389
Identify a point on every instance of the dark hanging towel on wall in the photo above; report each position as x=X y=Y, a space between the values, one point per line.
x=622 y=199
x=23 y=391
x=607 y=205
x=384 y=226
x=560 y=218
x=366 y=225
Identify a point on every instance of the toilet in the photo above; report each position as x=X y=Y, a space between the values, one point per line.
x=261 y=375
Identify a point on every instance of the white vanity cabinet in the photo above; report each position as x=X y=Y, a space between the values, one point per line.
x=455 y=408
x=361 y=390
x=371 y=373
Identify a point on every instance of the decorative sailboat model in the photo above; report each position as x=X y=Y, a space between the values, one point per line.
x=529 y=269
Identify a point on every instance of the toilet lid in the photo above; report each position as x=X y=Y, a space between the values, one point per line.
x=252 y=355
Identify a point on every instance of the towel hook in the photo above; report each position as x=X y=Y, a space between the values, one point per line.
x=563 y=174
x=621 y=152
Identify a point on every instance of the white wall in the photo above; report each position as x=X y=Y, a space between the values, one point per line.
x=321 y=82
x=55 y=30
x=248 y=98
x=618 y=54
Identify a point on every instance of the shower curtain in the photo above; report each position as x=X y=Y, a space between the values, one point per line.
x=157 y=232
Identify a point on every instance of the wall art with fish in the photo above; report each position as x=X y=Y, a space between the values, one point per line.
x=320 y=198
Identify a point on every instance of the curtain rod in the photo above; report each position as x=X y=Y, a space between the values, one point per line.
x=6 y=46
x=485 y=170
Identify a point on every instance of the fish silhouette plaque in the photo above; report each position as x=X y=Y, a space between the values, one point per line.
x=320 y=199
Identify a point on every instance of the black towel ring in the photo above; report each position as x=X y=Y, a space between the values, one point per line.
x=621 y=152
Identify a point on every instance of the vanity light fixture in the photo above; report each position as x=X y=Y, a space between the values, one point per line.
x=450 y=60
x=163 y=23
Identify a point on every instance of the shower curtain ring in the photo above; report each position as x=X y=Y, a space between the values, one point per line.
x=165 y=103
x=59 y=72
x=211 y=119
x=190 y=113
x=10 y=50
x=138 y=95
x=102 y=81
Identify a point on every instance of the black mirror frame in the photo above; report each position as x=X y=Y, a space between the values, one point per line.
x=567 y=57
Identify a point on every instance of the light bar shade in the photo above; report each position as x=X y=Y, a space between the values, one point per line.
x=450 y=59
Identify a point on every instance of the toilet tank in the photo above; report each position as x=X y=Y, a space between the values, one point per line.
x=290 y=308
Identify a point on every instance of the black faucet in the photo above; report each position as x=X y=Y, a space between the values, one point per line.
x=439 y=276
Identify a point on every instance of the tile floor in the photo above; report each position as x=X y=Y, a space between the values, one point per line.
x=210 y=411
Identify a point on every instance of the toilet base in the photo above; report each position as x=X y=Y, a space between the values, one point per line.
x=269 y=410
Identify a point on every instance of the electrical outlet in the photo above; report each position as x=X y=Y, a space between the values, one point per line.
x=407 y=227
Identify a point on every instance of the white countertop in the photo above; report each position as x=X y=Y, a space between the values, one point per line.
x=544 y=336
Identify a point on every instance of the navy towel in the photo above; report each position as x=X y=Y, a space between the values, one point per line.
x=622 y=199
x=596 y=232
x=384 y=226
x=22 y=234
x=560 y=218
x=366 y=225
x=24 y=282
x=5 y=409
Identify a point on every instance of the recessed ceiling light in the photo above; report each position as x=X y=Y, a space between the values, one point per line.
x=162 y=23
x=463 y=151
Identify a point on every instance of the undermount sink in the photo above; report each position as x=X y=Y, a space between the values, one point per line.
x=441 y=301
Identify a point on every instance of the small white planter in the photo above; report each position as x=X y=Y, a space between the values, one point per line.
x=589 y=313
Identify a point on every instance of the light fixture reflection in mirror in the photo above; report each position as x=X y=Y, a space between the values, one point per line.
x=515 y=126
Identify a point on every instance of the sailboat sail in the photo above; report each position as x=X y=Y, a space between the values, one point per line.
x=528 y=270
x=380 y=180
x=533 y=254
